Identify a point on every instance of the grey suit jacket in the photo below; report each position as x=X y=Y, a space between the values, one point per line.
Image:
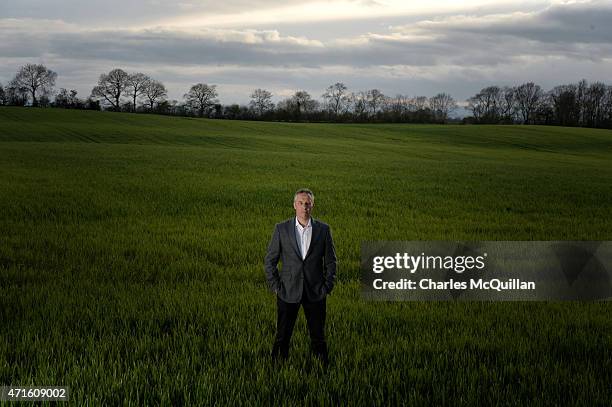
x=314 y=276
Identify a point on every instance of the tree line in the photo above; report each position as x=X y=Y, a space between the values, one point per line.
x=580 y=104
x=577 y=104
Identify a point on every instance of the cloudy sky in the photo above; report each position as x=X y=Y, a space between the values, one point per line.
x=397 y=46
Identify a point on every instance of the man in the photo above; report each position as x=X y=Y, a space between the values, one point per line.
x=306 y=249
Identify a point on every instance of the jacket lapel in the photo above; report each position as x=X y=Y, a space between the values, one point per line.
x=293 y=237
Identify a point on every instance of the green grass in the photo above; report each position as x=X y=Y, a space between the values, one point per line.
x=131 y=251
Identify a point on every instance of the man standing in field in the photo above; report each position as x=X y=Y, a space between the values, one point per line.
x=306 y=250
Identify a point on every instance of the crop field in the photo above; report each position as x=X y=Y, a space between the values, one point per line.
x=131 y=259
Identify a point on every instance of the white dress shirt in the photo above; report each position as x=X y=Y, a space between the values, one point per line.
x=303 y=235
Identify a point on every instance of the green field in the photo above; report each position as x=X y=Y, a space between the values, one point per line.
x=131 y=259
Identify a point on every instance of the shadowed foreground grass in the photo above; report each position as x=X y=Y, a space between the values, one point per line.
x=131 y=252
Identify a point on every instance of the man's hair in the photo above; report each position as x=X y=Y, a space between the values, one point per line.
x=303 y=191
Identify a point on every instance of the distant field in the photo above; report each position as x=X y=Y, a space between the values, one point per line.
x=131 y=251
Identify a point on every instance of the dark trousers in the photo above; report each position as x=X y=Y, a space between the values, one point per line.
x=315 y=318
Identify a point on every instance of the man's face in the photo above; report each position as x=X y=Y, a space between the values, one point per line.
x=303 y=205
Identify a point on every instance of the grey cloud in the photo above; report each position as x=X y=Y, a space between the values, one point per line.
x=559 y=23
x=267 y=48
x=579 y=22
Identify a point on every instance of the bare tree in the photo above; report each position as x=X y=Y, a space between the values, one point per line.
x=73 y=100
x=261 y=101
x=67 y=99
x=2 y=95
x=154 y=92
x=528 y=97
x=581 y=100
x=419 y=103
x=303 y=102
x=564 y=104
x=593 y=106
x=16 y=94
x=295 y=106
x=336 y=98
x=201 y=97
x=110 y=87
x=607 y=107
x=135 y=86
x=61 y=99
x=375 y=100
x=442 y=106
x=173 y=107
x=398 y=106
x=486 y=105
x=507 y=108
x=359 y=104
x=37 y=79
x=477 y=106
